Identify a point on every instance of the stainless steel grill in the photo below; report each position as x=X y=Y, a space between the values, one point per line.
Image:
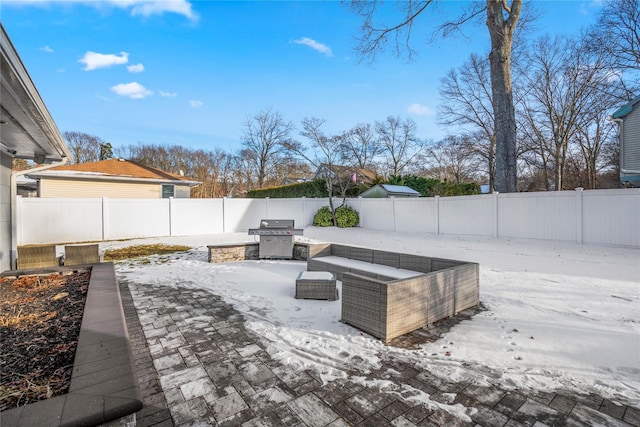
x=276 y=238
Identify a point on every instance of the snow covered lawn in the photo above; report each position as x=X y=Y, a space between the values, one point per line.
x=560 y=315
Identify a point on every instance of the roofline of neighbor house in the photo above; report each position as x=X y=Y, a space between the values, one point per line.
x=96 y=176
x=626 y=109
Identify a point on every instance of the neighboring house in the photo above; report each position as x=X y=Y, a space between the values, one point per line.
x=26 y=187
x=356 y=175
x=27 y=131
x=628 y=119
x=114 y=178
x=388 y=190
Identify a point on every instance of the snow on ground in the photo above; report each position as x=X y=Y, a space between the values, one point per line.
x=560 y=315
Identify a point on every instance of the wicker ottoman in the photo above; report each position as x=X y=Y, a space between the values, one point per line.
x=316 y=285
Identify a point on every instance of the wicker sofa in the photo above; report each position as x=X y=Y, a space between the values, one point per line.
x=389 y=294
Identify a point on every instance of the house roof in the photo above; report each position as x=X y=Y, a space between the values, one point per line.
x=346 y=171
x=114 y=169
x=627 y=108
x=389 y=190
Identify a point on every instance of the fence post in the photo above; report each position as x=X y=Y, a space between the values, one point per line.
x=437 y=214
x=393 y=208
x=224 y=222
x=579 y=215
x=496 y=223
x=105 y=212
x=171 y=216
x=304 y=211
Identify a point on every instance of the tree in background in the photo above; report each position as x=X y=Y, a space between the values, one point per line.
x=263 y=137
x=106 y=151
x=451 y=160
x=324 y=153
x=360 y=144
x=617 y=34
x=399 y=143
x=84 y=147
x=501 y=21
x=466 y=95
x=570 y=89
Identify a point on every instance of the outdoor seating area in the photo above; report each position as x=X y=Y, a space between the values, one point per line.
x=43 y=256
x=40 y=256
x=389 y=294
x=316 y=285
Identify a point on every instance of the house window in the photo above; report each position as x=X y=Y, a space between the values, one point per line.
x=168 y=190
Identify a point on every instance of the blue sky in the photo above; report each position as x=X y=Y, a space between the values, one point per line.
x=179 y=72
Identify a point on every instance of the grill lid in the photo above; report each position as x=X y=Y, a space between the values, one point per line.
x=276 y=227
x=277 y=223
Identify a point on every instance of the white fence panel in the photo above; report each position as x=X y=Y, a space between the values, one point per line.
x=59 y=220
x=243 y=214
x=286 y=209
x=132 y=218
x=467 y=215
x=550 y=215
x=311 y=207
x=418 y=215
x=611 y=217
x=377 y=214
x=191 y=217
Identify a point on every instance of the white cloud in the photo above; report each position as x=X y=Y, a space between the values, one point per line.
x=138 y=7
x=420 y=110
x=158 y=7
x=196 y=104
x=320 y=47
x=132 y=90
x=46 y=49
x=168 y=94
x=93 y=60
x=137 y=68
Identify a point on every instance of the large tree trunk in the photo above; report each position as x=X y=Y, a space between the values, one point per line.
x=501 y=32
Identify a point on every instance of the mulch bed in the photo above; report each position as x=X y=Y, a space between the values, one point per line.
x=40 y=318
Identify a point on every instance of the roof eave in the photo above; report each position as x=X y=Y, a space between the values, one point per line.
x=626 y=109
x=94 y=177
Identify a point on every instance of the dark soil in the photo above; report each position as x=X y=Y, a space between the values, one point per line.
x=40 y=318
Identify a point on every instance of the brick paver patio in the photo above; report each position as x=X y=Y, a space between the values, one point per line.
x=198 y=365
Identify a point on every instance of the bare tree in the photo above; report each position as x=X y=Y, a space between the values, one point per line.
x=360 y=144
x=264 y=135
x=501 y=21
x=451 y=159
x=84 y=147
x=399 y=144
x=617 y=32
x=567 y=85
x=466 y=93
x=324 y=153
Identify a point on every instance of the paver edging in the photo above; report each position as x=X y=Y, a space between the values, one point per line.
x=104 y=386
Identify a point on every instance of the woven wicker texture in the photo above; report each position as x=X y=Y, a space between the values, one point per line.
x=316 y=287
x=416 y=263
x=84 y=254
x=37 y=256
x=362 y=303
x=392 y=259
x=386 y=301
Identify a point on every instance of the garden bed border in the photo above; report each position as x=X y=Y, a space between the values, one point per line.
x=104 y=386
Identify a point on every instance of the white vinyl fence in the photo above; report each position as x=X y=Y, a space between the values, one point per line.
x=610 y=217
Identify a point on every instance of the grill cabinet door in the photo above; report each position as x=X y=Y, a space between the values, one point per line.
x=276 y=247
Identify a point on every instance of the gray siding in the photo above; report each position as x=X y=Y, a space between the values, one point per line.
x=630 y=150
